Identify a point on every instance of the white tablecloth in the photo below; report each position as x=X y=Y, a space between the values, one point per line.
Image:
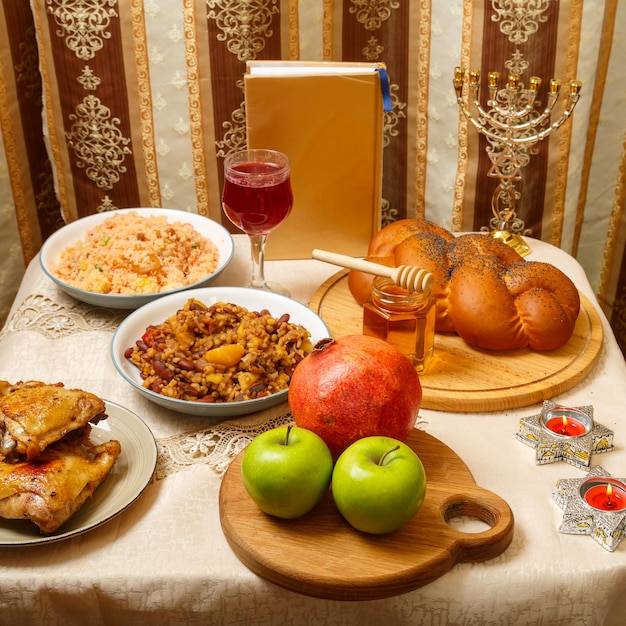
x=165 y=559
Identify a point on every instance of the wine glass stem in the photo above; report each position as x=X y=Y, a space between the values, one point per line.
x=257 y=248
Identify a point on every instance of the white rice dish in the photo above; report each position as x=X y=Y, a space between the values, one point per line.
x=131 y=254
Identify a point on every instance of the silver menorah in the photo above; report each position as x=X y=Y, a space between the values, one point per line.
x=512 y=124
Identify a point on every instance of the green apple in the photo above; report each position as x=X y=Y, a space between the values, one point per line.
x=378 y=484
x=287 y=470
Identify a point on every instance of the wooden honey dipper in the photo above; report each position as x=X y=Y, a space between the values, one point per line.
x=409 y=277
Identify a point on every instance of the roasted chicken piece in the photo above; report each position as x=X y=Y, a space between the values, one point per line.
x=50 y=489
x=34 y=415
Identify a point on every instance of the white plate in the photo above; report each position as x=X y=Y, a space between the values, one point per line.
x=76 y=231
x=125 y=483
x=134 y=326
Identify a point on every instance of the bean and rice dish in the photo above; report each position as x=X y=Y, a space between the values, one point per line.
x=219 y=353
x=131 y=254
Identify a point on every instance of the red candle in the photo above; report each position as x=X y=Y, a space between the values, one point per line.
x=566 y=426
x=604 y=494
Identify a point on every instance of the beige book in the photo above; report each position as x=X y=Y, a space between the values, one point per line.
x=328 y=118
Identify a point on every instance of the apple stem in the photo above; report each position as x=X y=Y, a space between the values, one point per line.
x=289 y=427
x=384 y=456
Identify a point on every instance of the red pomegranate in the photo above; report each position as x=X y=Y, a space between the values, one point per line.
x=353 y=387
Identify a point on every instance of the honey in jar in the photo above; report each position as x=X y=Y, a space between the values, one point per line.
x=402 y=318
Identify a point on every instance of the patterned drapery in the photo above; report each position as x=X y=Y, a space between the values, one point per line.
x=143 y=99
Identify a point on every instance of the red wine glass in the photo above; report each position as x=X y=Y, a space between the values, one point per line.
x=257 y=198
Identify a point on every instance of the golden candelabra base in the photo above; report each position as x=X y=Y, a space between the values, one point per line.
x=513 y=240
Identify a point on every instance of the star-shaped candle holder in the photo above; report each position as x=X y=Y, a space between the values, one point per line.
x=594 y=505
x=565 y=434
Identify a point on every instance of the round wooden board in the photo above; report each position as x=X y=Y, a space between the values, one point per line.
x=463 y=378
x=321 y=555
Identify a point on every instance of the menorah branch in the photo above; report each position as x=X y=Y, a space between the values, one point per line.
x=512 y=122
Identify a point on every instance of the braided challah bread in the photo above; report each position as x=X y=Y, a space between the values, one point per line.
x=485 y=291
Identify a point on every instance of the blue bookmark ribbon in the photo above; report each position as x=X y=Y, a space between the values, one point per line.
x=384 y=85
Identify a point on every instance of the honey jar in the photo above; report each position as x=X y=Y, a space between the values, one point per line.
x=402 y=318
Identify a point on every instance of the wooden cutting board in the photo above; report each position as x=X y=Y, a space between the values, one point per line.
x=321 y=555
x=463 y=378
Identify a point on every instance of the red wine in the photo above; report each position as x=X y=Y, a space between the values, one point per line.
x=257 y=204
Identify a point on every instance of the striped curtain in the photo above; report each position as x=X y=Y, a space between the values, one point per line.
x=162 y=81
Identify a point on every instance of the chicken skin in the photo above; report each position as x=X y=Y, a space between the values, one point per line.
x=34 y=415
x=50 y=489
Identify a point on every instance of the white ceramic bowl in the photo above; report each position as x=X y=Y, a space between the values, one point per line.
x=75 y=231
x=134 y=326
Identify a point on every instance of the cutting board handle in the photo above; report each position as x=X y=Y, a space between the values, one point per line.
x=487 y=507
